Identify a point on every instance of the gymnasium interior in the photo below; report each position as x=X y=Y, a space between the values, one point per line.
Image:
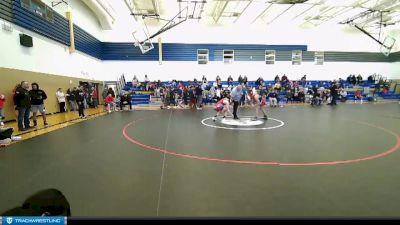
x=114 y=104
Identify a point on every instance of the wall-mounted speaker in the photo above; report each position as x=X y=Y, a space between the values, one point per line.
x=25 y=40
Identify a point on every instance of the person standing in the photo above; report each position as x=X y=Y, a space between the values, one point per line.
x=61 y=99
x=94 y=97
x=334 y=92
x=71 y=98
x=259 y=104
x=236 y=96
x=23 y=105
x=2 y=102
x=110 y=91
x=80 y=98
x=146 y=83
x=37 y=103
x=199 y=97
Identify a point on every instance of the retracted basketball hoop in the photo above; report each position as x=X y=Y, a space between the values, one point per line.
x=145 y=45
x=387 y=45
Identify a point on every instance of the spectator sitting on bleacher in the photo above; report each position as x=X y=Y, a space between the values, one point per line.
x=349 y=79
x=371 y=78
x=110 y=103
x=343 y=95
x=245 y=80
x=354 y=80
x=359 y=79
x=278 y=86
x=303 y=80
x=240 y=79
x=284 y=78
x=277 y=79
x=259 y=82
x=273 y=98
x=341 y=83
x=135 y=81
x=316 y=99
x=289 y=96
x=204 y=79
x=263 y=91
x=230 y=81
x=358 y=95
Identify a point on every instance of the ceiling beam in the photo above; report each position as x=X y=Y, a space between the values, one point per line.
x=262 y=13
x=280 y=14
x=155 y=6
x=222 y=11
x=304 y=12
x=247 y=6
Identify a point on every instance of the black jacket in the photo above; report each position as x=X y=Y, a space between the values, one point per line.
x=37 y=96
x=21 y=98
x=126 y=98
x=79 y=96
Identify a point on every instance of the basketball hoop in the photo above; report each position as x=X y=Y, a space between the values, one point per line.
x=56 y=3
x=387 y=45
x=145 y=45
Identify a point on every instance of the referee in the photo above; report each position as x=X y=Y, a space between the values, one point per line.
x=236 y=96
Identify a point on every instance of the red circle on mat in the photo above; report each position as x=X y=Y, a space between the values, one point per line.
x=221 y=160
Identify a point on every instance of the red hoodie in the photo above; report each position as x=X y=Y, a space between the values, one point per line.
x=2 y=101
x=109 y=99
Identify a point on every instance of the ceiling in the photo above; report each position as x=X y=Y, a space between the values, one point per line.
x=373 y=16
x=265 y=12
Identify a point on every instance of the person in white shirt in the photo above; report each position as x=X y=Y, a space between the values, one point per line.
x=218 y=94
x=343 y=95
x=135 y=81
x=146 y=82
x=61 y=99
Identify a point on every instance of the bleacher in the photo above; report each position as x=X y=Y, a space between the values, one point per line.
x=141 y=97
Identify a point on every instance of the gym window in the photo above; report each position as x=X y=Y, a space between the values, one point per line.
x=319 y=58
x=269 y=56
x=296 y=57
x=228 y=56
x=38 y=8
x=202 y=56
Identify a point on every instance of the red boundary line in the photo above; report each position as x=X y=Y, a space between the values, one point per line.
x=383 y=154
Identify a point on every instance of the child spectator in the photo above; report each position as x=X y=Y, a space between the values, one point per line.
x=61 y=99
x=110 y=102
x=358 y=95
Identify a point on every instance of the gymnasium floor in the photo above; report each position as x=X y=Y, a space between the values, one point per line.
x=322 y=162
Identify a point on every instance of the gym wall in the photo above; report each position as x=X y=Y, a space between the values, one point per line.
x=47 y=82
